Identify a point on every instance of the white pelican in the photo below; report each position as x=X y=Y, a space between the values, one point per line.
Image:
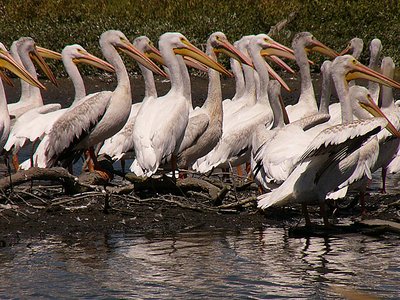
x=235 y=144
x=33 y=124
x=24 y=50
x=302 y=43
x=161 y=122
x=275 y=152
x=332 y=157
x=97 y=116
x=373 y=154
x=354 y=48
x=388 y=146
x=375 y=49
x=120 y=145
x=8 y=62
x=240 y=87
x=204 y=128
x=236 y=68
x=246 y=95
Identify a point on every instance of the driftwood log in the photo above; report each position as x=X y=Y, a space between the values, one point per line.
x=96 y=181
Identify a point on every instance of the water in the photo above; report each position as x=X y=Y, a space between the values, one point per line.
x=197 y=265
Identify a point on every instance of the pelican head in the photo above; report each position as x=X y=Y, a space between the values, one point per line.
x=362 y=96
x=79 y=55
x=354 y=47
x=220 y=44
x=144 y=44
x=9 y=63
x=182 y=46
x=120 y=42
x=311 y=44
x=351 y=68
x=27 y=44
x=267 y=46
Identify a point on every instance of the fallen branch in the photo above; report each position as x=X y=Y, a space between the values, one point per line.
x=68 y=181
x=71 y=183
x=274 y=30
x=238 y=203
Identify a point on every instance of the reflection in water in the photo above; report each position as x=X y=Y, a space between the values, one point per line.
x=248 y=264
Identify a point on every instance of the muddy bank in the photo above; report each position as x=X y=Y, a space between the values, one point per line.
x=43 y=210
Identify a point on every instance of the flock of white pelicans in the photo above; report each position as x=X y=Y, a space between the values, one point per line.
x=301 y=153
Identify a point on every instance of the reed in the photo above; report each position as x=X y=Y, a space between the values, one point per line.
x=56 y=23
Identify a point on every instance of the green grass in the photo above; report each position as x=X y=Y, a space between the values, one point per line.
x=57 y=23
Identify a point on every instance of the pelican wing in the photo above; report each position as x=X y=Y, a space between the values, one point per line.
x=197 y=125
x=76 y=123
x=122 y=142
x=331 y=139
x=278 y=156
x=167 y=135
x=368 y=154
x=27 y=125
x=311 y=121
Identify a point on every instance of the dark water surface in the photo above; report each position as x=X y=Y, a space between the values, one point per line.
x=256 y=264
x=197 y=265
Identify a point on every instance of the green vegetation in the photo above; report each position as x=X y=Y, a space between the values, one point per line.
x=56 y=23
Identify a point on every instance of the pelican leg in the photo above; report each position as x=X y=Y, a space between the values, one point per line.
x=261 y=189
x=90 y=162
x=304 y=210
x=384 y=173
x=362 y=203
x=225 y=172
x=94 y=166
x=322 y=209
x=239 y=171
x=248 y=168
x=173 y=165
x=15 y=162
x=122 y=165
x=32 y=152
x=7 y=162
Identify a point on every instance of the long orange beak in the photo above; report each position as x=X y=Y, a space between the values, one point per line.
x=345 y=50
x=361 y=71
x=47 y=53
x=133 y=52
x=94 y=61
x=8 y=62
x=37 y=57
x=317 y=46
x=277 y=77
x=374 y=110
x=227 y=48
x=195 y=53
x=281 y=63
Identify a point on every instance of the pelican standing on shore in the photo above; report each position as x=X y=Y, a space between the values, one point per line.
x=25 y=51
x=332 y=157
x=97 y=116
x=205 y=123
x=34 y=124
x=160 y=124
x=8 y=62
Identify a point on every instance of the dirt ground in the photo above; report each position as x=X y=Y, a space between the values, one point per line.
x=45 y=210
